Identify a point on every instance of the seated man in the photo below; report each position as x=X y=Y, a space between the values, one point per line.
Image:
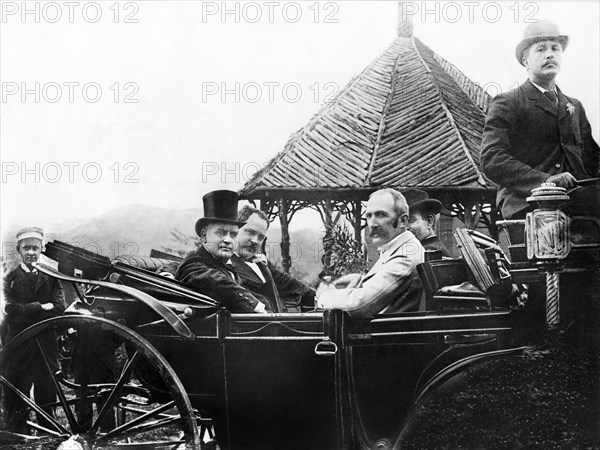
x=422 y=220
x=392 y=285
x=283 y=292
x=209 y=270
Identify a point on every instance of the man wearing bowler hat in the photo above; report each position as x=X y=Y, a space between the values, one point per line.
x=422 y=220
x=209 y=270
x=536 y=134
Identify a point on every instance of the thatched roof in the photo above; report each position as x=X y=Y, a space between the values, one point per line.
x=409 y=119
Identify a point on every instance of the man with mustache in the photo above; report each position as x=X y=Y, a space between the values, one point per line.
x=392 y=285
x=210 y=269
x=282 y=292
x=536 y=134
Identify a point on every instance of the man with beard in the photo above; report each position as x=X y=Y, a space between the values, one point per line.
x=210 y=270
x=282 y=292
x=392 y=285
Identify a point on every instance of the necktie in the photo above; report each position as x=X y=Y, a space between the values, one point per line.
x=552 y=97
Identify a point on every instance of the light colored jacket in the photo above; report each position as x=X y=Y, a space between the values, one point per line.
x=392 y=285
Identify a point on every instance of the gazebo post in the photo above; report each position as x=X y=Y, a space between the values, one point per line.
x=358 y=221
x=286 y=261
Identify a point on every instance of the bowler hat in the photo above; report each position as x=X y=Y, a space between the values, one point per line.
x=542 y=30
x=419 y=201
x=219 y=207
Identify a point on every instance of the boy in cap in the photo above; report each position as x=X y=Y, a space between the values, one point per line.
x=30 y=297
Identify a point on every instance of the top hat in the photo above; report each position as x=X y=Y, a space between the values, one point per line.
x=542 y=30
x=30 y=232
x=419 y=201
x=219 y=207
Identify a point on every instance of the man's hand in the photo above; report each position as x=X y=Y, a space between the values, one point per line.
x=349 y=281
x=565 y=180
x=47 y=306
x=322 y=287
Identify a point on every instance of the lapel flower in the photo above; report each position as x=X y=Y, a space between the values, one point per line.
x=570 y=108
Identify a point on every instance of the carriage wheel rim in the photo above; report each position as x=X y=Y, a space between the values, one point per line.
x=186 y=418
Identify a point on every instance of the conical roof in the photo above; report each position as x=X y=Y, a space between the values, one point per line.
x=409 y=119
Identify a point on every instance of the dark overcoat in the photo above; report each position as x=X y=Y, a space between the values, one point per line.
x=208 y=275
x=527 y=139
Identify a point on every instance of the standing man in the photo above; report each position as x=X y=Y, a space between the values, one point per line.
x=30 y=297
x=392 y=285
x=283 y=292
x=210 y=269
x=423 y=218
x=536 y=134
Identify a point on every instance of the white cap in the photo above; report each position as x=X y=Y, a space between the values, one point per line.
x=30 y=232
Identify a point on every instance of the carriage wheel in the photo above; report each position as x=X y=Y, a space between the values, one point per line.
x=93 y=369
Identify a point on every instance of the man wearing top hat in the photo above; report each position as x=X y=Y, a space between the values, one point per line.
x=210 y=270
x=422 y=219
x=30 y=297
x=536 y=134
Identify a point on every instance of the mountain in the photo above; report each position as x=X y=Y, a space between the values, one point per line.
x=137 y=229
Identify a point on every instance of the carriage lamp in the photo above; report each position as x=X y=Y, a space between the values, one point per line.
x=548 y=242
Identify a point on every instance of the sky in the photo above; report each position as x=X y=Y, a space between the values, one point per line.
x=106 y=104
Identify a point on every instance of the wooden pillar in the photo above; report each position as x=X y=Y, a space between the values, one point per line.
x=358 y=222
x=286 y=260
x=328 y=222
x=494 y=217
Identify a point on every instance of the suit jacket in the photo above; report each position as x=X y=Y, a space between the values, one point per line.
x=434 y=243
x=24 y=293
x=526 y=140
x=280 y=291
x=392 y=285
x=209 y=276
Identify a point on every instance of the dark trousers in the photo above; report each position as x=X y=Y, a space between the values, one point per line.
x=17 y=412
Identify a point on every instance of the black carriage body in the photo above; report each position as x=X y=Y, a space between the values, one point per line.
x=310 y=380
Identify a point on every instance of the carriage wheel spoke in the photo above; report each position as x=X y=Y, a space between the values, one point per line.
x=138 y=420
x=142 y=428
x=55 y=382
x=115 y=392
x=33 y=406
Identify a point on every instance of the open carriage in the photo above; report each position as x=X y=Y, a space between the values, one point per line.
x=147 y=363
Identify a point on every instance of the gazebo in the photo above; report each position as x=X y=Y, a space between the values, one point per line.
x=410 y=119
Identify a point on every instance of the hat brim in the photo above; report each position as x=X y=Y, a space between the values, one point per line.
x=428 y=206
x=204 y=221
x=528 y=42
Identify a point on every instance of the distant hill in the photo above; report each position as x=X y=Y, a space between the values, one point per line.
x=137 y=229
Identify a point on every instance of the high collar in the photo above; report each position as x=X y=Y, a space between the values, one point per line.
x=26 y=269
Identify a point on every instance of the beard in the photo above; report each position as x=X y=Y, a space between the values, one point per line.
x=248 y=251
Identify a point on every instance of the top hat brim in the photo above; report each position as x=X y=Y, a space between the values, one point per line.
x=204 y=221
x=528 y=42
x=427 y=207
